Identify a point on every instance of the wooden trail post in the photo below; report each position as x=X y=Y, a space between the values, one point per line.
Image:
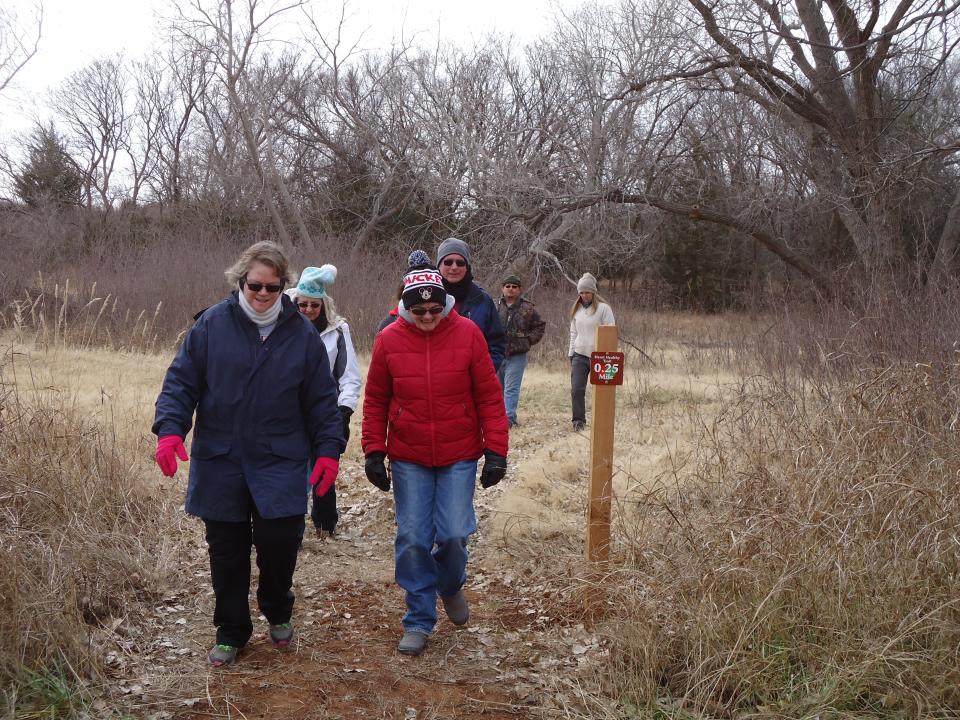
x=606 y=372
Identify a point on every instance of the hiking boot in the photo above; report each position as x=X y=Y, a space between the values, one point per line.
x=456 y=608
x=412 y=643
x=281 y=635
x=222 y=655
x=579 y=425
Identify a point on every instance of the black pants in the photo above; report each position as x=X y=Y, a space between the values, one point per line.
x=324 y=513
x=579 y=374
x=277 y=542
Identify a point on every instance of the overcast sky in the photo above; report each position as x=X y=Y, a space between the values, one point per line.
x=77 y=31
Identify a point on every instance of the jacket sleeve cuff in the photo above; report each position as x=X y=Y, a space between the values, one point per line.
x=168 y=428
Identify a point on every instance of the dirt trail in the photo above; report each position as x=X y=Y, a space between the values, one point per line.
x=519 y=655
x=525 y=651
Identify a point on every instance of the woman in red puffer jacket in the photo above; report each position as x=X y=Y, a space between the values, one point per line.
x=433 y=405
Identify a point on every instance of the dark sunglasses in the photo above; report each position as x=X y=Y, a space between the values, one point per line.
x=511 y=287
x=272 y=288
x=420 y=311
x=303 y=304
x=449 y=261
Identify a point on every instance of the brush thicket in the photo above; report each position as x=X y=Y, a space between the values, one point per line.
x=810 y=567
x=81 y=534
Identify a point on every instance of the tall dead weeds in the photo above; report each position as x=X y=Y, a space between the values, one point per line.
x=811 y=566
x=80 y=533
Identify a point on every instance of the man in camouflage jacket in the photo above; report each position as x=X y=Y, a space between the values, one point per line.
x=524 y=329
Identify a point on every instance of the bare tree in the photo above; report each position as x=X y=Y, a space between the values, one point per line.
x=91 y=106
x=229 y=33
x=19 y=41
x=173 y=83
x=841 y=74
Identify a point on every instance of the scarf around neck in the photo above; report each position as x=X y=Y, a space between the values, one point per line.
x=461 y=289
x=263 y=319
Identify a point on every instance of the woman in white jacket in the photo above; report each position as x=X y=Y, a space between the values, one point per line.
x=318 y=307
x=587 y=312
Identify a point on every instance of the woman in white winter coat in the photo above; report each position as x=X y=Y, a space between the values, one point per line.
x=588 y=311
x=318 y=307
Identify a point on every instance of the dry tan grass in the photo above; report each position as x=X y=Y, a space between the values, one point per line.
x=781 y=547
x=545 y=497
x=83 y=538
x=810 y=567
x=53 y=315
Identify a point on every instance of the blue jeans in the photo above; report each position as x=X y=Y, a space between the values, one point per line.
x=511 y=375
x=434 y=519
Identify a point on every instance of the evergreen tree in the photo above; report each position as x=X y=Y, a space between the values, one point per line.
x=49 y=176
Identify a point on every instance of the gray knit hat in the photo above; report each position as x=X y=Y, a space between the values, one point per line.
x=587 y=283
x=453 y=246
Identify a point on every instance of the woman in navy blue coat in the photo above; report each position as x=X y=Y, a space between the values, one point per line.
x=245 y=368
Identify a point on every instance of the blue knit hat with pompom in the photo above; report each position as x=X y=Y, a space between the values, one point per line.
x=418 y=259
x=315 y=281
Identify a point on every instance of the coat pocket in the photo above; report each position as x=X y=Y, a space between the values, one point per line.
x=289 y=446
x=204 y=448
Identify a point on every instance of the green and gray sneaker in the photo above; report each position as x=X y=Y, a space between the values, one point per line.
x=281 y=635
x=223 y=655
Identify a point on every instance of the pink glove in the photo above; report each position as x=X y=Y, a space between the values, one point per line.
x=324 y=474
x=169 y=448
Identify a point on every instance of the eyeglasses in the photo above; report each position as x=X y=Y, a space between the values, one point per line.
x=450 y=261
x=272 y=288
x=511 y=287
x=420 y=311
x=311 y=305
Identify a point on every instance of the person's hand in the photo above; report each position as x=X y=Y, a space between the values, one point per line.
x=345 y=414
x=324 y=474
x=376 y=470
x=169 y=448
x=494 y=469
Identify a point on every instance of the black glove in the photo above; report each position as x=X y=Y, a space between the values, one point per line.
x=345 y=414
x=376 y=470
x=494 y=468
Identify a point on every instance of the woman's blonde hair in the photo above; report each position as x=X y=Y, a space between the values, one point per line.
x=266 y=253
x=597 y=299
